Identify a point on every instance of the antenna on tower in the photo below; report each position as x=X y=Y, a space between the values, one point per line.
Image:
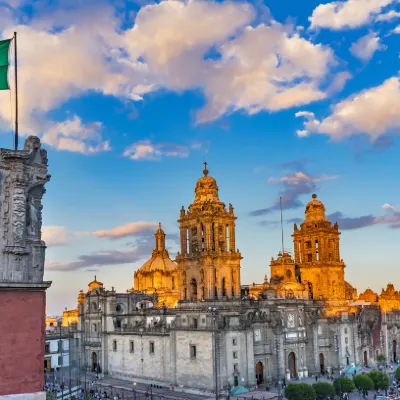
x=280 y=204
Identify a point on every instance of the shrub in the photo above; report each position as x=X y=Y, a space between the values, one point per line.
x=299 y=391
x=398 y=373
x=343 y=385
x=324 y=390
x=380 y=379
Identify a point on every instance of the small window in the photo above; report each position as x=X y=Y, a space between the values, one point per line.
x=151 y=347
x=51 y=323
x=132 y=346
x=345 y=330
x=235 y=367
x=47 y=348
x=193 y=351
x=346 y=340
x=94 y=327
x=114 y=345
x=235 y=354
x=195 y=323
x=118 y=324
x=234 y=342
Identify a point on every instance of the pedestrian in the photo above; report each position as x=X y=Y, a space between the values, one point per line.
x=316 y=378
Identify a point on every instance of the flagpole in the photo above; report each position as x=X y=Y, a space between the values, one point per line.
x=16 y=91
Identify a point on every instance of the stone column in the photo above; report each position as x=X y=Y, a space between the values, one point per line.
x=232 y=236
x=23 y=174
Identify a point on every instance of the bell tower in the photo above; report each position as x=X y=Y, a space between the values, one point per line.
x=208 y=264
x=317 y=255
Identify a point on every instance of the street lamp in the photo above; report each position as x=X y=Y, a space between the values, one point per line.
x=141 y=349
x=214 y=311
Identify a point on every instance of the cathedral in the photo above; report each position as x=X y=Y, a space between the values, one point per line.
x=188 y=322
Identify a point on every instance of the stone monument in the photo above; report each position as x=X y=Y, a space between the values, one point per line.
x=23 y=175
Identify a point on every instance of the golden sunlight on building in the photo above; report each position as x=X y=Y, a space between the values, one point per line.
x=159 y=274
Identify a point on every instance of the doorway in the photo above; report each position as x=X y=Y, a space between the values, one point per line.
x=365 y=357
x=94 y=361
x=322 y=363
x=259 y=373
x=292 y=365
x=394 y=351
x=236 y=381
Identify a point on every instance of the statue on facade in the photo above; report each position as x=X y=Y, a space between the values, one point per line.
x=32 y=218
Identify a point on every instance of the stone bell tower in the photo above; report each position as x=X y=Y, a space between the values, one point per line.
x=23 y=175
x=317 y=255
x=209 y=264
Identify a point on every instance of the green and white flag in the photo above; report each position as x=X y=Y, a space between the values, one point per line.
x=4 y=49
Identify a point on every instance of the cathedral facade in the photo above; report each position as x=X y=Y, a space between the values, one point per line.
x=189 y=322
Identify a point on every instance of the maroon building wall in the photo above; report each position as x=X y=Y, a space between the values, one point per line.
x=22 y=338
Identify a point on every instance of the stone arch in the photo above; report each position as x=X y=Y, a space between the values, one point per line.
x=94 y=361
x=394 y=351
x=322 y=363
x=193 y=289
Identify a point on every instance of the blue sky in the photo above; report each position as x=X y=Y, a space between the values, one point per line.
x=280 y=98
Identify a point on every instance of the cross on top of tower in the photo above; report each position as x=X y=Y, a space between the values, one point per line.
x=205 y=170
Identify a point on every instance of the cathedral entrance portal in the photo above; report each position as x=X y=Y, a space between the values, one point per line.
x=394 y=351
x=94 y=361
x=260 y=373
x=193 y=286
x=322 y=363
x=292 y=365
x=365 y=357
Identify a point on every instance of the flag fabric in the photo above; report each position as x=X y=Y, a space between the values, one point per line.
x=4 y=48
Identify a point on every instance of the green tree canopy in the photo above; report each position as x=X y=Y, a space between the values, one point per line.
x=343 y=385
x=324 y=390
x=380 y=379
x=381 y=359
x=398 y=373
x=299 y=391
x=363 y=382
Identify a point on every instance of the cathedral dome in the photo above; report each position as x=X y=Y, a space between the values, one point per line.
x=94 y=284
x=315 y=210
x=206 y=188
x=159 y=260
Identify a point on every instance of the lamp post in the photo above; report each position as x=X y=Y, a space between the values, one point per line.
x=277 y=367
x=141 y=350
x=214 y=311
x=61 y=360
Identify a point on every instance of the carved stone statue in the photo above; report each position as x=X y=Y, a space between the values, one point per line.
x=32 y=218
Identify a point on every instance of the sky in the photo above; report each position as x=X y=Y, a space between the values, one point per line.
x=280 y=98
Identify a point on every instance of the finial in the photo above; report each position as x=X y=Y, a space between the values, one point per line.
x=205 y=170
x=159 y=225
x=314 y=196
x=95 y=279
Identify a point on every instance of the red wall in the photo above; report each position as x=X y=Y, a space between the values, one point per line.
x=22 y=338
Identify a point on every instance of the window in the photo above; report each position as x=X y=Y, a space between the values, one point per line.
x=193 y=351
x=94 y=327
x=151 y=347
x=309 y=257
x=173 y=283
x=114 y=345
x=51 y=323
x=235 y=354
x=118 y=323
x=132 y=346
x=346 y=340
x=235 y=367
x=195 y=323
x=234 y=342
x=345 y=330
x=308 y=244
x=47 y=348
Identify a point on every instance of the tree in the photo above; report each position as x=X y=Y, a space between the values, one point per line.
x=299 y=391
x=324 y=390
x=381 y=359
x=398 y=373
x=380 y=379
x=343 y=385
x=363 y=383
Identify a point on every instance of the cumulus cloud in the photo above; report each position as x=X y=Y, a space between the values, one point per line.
x=348 y=14
x=396 y=30
x=392 y=14
x=366 y=46
x=294 y=186
x=146 y=150
x=373 y=112
x=131 y=229
x=55 y=235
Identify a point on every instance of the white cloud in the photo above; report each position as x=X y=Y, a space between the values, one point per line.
x=373 y=112
x=55 y=235
x=348 y=14
x=366 y=46
x=396 y=30
x=131 y=229
x=146 y=150
x=389 y=207
x=301 y=178
x=388 y=16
